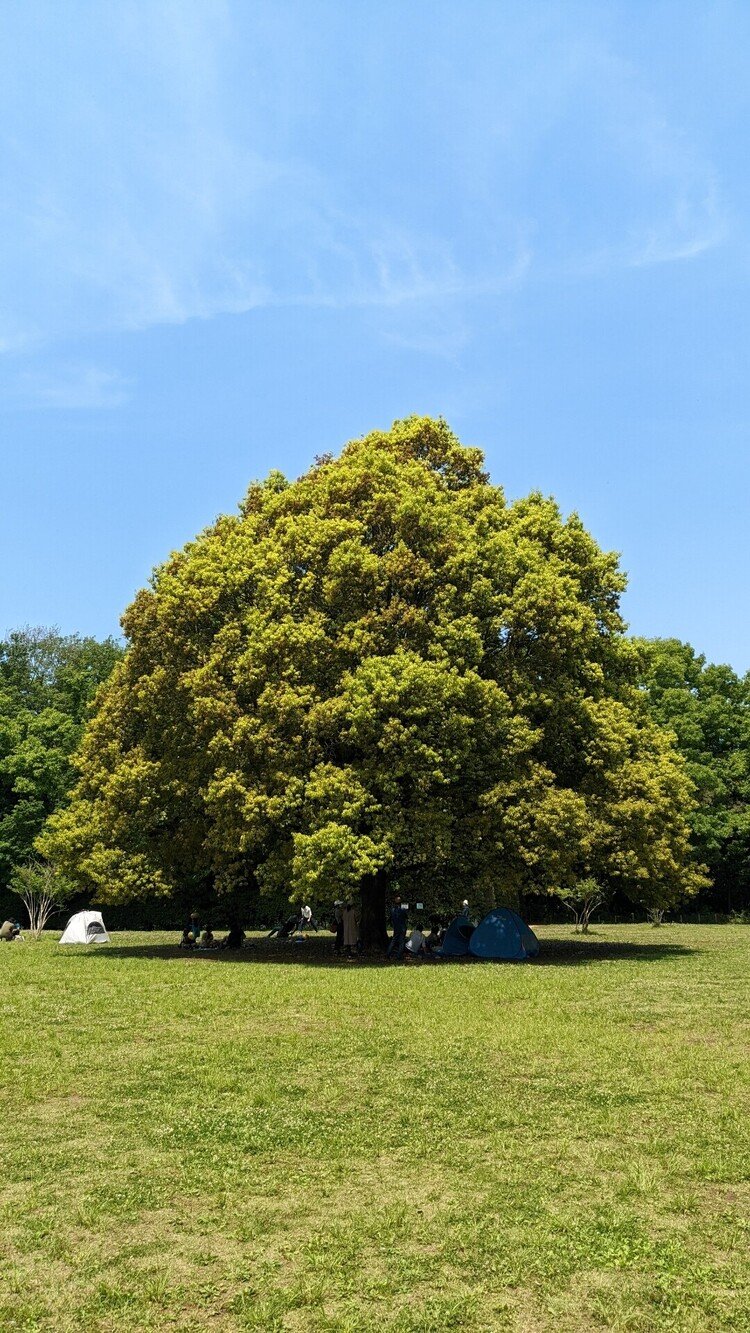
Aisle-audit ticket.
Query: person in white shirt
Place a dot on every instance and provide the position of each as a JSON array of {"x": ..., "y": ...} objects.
[
  {"x": 416, "y": 943},
  {"x": 306, "y": 920}
]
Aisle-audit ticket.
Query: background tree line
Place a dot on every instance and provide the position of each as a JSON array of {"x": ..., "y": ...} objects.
[
  {"x": 379, "y": 674},
  {"x": 47, "y": 681},
  {"x": 706, "y": 708}
]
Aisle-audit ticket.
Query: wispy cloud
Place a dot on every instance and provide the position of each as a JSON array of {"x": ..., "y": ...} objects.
[
  {"x": 696, "y": 222},
  {"x": 692, "y": 224},
  {"x": 164, "y": 210},
  {"x": 70, "y": 387},
  {"x": 666, "y": 202},
  {"x": 154, "y": 177}
]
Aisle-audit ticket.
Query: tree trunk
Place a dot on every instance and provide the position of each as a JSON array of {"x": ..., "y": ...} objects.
[{"x": 372, "y": 931}]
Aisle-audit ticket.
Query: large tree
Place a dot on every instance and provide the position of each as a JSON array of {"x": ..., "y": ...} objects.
[
  {"x": 379, "y": 673},
  {"x": 47, "y": 680},
  {"x": 707, "y": 708}
]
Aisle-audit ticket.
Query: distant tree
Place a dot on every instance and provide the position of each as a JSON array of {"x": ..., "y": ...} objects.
[
  {"x": 707, "y": 708},
  {"x": 582, "y": 899},
  {"x": 46, "y": 683},
  {"x": 42, "y": 890},
  {"x": 380, "y": 673}
]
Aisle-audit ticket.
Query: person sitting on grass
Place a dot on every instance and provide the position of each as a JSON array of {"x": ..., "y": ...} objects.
[
  {"x": 10, "y": 930},
  {"x": 435, "y": 937},
  {"x": 207, "y": 939},
  {"x": 193, "y": 928},
  {"x": 188, "y": 940},
  {"x": 416, "y": 944},
  {"x": 235, "y": 937}
]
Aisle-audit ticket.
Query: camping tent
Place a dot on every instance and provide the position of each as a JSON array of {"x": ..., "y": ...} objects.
[
  {"x": 85, "y": 928},
  {"x": 504, "y": 935},
  {"x": 457, "y": 936}
]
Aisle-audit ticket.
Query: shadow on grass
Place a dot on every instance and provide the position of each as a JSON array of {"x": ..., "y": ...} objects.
[
  {"x": 586, "y": 949},
  {"x": 318, "y": 952}
]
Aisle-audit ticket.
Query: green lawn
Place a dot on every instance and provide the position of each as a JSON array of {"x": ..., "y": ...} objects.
[{"x": 282, "y": 1143}]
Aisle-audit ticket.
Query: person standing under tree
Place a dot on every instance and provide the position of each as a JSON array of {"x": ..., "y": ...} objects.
[
  {"x": 399, "y": 917},
  {"x": 338, "y": 921},
  {"x": 350, "y": 928}
]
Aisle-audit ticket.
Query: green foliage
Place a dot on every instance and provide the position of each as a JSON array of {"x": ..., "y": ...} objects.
[
  {"x": 46, "y": 683},
  {"x": 42, "y": 890},
  {"x": 707, "y": 708},
  {"x": 583, "y": 899},
  {"x": 379, "y": 671}
]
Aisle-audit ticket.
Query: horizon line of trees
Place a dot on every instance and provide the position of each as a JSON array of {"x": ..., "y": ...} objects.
[{"x": 379, "y": 674}]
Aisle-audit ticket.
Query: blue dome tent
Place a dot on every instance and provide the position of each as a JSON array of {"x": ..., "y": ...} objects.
[
  {"x": 456, "y": 940},
  {"x": 503, "y": 935}
]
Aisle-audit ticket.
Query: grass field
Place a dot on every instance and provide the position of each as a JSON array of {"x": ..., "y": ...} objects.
[{"x": 281, "y": 1143}]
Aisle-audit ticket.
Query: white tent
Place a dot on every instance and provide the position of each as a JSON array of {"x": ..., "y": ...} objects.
[{"x": 85, "y": 928}]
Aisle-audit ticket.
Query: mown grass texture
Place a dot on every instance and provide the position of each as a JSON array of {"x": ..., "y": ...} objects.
[{"x": 284, "y": 1143}]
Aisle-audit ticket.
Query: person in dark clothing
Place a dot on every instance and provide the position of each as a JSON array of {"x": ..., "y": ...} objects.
[
  {"x": 338, "y": 921},
  {"x": 234, "y": 938},
  {"x": 284, "y": 929},
  {"x": 399, "y": 917},
  {"x": 436, "y": 935}
]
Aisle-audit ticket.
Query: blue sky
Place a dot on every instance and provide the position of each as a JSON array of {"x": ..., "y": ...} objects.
[{"x": 234, "y": 235}]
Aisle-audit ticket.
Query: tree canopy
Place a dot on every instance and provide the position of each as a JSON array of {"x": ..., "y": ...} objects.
[
  {"x": 379, "y": 672},
  {"x": 46, "y": 682},
  {"x": 707, "y": 708}
]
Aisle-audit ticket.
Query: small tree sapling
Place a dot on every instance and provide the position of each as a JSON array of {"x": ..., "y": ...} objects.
[{"x": 43, "y": 890}]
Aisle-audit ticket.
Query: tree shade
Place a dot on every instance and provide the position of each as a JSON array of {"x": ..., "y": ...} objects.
[{"x": 379, "y": 673}]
